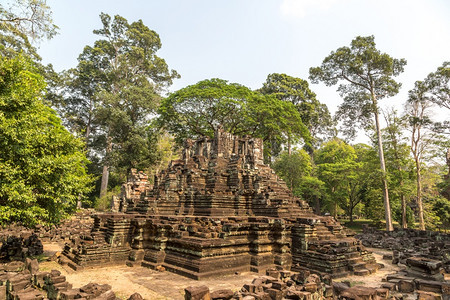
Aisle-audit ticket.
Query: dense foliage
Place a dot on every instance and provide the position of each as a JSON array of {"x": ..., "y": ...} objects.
[
  {"x": 116, "y": 102},
  {"x": 109, "y": 97},
  {"x": 366, "y": 76},
  {"x": 42, "y": 174},
  {"x": 198, "y": 110}
]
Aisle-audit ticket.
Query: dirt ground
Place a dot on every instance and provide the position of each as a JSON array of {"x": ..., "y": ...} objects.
[
  {"x": 374, "y": 280},
  {"x": 165, "y": 285}
]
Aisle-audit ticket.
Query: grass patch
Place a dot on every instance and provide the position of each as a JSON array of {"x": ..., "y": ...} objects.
[{"x": 357, "y": 224}]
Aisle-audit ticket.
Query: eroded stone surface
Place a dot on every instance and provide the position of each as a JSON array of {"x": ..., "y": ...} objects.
[{"x": 218, "y": 210}]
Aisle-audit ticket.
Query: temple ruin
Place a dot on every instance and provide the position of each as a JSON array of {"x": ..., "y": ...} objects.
[{"x": 218, "y": 210}]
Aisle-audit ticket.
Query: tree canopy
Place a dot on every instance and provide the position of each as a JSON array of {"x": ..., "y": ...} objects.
[
  {"x": 23, "y": 22},
  {"x": 198, "y": 110},
  {"x": 314, "y": 115},
  {"x": 42, "y": 166},
  {"x": 113, "y": 91},
  {"x": 367, "y": 76}
]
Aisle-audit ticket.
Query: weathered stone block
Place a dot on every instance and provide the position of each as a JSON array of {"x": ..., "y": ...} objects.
[
  {"x": 224, "y": 294},
  {"x": 406, "y": 286},
  {"x": 197, "y": 293}
]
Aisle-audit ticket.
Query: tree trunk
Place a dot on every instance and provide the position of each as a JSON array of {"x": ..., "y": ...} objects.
[
  {"x": 419, "y": 194},
  {"x": 317, "y": 209},
  {"x": 387, "y": 206},
  {"x": 351, "y": 213},
  {"x": 404, "y": 220},
  {"x": 289, "y": 145},
  {"x": 105, "y": 172}
]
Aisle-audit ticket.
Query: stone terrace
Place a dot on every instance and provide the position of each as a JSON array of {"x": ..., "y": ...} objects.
[{"x": 218, "y": 210}]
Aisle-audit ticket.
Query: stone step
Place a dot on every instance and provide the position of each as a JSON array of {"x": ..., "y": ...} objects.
[
  {"x": 358, "y": 267},
  {"x": 362, "y": 272}
]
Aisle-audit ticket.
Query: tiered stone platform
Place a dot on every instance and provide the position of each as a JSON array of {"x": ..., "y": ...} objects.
[{"x": 218, "y": 210}]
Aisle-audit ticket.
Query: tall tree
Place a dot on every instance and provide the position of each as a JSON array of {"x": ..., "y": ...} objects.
[
  {"x": 314, "y": 115},
  {"x": 418, "y": 112},
  {"x": 336, "y": 166},
  {"x": 438, "y": 84},
  {"x": 113, "y": 91},
  {"x": 199, "y": 109},
  {"x": 293, "y": 167},
  {"x": 42, "y": 166},
  {"x": 399, "y": 161},
  {"x": 24, "y": 22},
  {"x": 313, "y": 190},
  {"x": 367, "y": 77}
]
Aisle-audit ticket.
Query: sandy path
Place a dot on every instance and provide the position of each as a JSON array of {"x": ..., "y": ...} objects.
[{"x": 149, "y": 283}]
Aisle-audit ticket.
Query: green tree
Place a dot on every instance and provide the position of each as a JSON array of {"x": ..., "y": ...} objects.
[
  {"x": 438, "y": 84},
  {"x": 42, "y": 166},
  {"x": 336, "y": 165},
  {"x": 113, "y": 92},
  {"x": 418, "y": 110},
  {"x": 199, "y": 109},
  {"x": 399, "y": 163},
  {"x": 314, "y": 115},
  {"x": 23, "y": 22},
  {"x": 367, "y": 76},
  {"x": 293, "y": 167},
  {"x": 313, "y": 190}
]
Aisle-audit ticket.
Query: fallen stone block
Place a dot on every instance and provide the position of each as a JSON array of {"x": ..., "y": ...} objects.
[
  {"x": 406, "y": 286},
  {"x": 136, "y": 296},
  {"x": 224, "y": 294},
  {"x": 422, "y": 295},
  {"x": 32, "y": 265},
  {"x": 429, "y": 286},
  {"x": 197, "y": 293},
  {"x": 359, "y": 293},
  {"x": 275, "y": 294}
]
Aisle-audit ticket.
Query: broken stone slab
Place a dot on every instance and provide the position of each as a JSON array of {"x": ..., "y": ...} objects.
[
  {"x": 359, "y": 293},
  {"x": 136, "y": 296},
  {"x": 339, "y": 287},
  {"x": 31, "y": 294},
  {"x": 430, "y": 286},
  {"x": 422, "y": 295},
  {"x": 95, "y": 289},
  {"x": 427, "y": 265},
  {"x": 406, "y": 286},
  {"x": 32, "y": 265},
  {"x": 14, "y": 266},
  {"x": 224, "y": 294},
  {"x": 197, "y": 293}
]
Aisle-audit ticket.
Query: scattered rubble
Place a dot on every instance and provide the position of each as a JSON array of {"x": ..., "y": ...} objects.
[
  {"x": 21, "y": 247},
  {"x": 282, "y": 284},
  {"x": 428, "y": 246},
  {"x": 23, "y": 281}
]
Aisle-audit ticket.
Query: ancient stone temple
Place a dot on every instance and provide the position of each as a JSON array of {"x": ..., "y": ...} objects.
[{"x": 218, "y": 210}]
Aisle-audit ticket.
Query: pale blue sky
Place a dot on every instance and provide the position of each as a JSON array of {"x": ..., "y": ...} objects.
[{"x": 245, "y": 40}]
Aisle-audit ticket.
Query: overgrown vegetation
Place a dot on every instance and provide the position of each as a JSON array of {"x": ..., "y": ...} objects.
[{"x": 112, "y": 108}]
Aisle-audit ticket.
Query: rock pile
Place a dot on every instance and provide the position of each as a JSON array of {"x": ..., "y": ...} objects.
[
  {"x": 430, "y": 246},
  {"x": 282, "y": 284},
  {"x": 429, "y": 289},
  {"x": 78, "y": 225},
  {"x": 23, "y": 281},
  {"x": 20, "y": 247}
]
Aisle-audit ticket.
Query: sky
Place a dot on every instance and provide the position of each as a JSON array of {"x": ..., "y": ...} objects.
[{"x": 243, "y": 41}]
